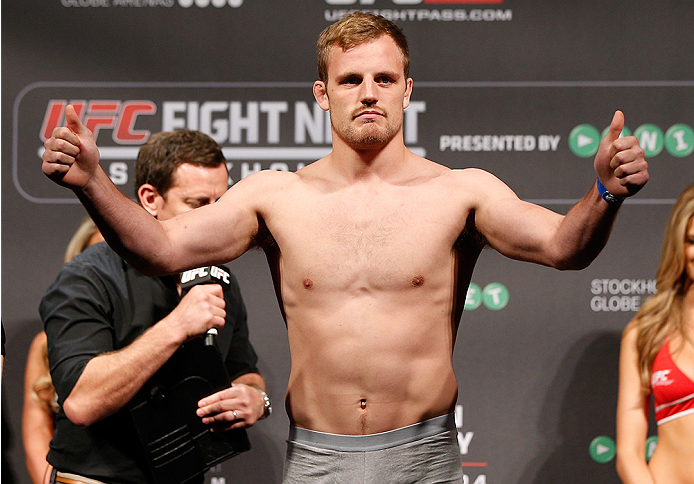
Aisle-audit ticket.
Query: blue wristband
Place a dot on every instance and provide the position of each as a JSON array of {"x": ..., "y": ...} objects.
[{"x": 607, "y": 196}]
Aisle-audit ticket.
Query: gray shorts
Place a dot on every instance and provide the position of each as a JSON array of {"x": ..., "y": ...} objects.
[{"x": 424, "y": 453}]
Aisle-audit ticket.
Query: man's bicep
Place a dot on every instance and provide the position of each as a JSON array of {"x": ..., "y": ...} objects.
[
  {"x": 517, "y": 229},
  {"x": 216, "y": 233}
]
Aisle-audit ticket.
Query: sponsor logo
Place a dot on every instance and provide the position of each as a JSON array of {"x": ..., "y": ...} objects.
[
  {"x": 202, "y": 272},
  {"x": 661, "y": 378},
  {"x": 416, "y": 11},
  {"x": 494, "y": 296},
  {"x": 651, "y": 139},
  {"x": 118, "y": 116},
  {"x": 615, "y": 295},
  {"x": 584, "y": 140},
  {"x": 219, "y": 273},
  {"x": 602, "y": 449},
  {"x": 678, "y": 140}
]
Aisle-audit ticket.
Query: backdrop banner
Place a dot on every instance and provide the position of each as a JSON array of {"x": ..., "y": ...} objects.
[{"x": 523, "y": 89}]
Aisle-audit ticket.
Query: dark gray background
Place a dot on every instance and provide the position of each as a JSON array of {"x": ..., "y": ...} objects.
[{"x": 537, "y": 378}]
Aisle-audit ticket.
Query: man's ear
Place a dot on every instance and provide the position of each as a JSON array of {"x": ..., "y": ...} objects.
[
  {"x": 408, "y": 92},
  {"x": 320, "y": 92},
  {"x": 149, "y": 196}
]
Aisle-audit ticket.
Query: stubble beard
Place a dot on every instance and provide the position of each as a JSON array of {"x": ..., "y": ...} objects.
[{"x": 368, "y": 136}]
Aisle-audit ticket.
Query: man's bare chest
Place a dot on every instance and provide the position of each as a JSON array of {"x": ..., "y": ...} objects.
[{"x": 368, "y": 237}]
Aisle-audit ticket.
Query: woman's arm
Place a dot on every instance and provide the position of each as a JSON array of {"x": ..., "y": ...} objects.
[
  {"x": 37, "y": 418},
  {"x": 632, "y": 415}
]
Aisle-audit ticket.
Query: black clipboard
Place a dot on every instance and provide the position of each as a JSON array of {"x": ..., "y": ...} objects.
[{"x": 177, "y": 445}]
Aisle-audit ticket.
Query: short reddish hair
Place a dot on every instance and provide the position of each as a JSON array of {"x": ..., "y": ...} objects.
[{"x": 357, "y": 28}]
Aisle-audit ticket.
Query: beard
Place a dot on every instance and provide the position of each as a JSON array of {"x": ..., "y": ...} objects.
[{"x": 368, "y": 135}]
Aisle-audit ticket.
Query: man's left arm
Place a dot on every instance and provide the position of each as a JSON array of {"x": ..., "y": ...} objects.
[
  {"x": 622, "y": 171},
  {"x": 525, "y": 231}
]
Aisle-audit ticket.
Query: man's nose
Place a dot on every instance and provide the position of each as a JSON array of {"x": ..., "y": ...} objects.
[{"x": 368, "y": 95}]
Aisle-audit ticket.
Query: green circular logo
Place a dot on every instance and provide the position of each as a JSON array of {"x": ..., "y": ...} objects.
[
  {"x": 651, "y": 138},
  {"x": 625, "y": 132},
  {"x": 679, "y": 140},
  {"x": 584, "y": 140},
  {"x": 651, "y": 443},
  {"x": 495, "y": 296},
  {"x": 473, "y": 298},
  {"x": 602, "y": 449}
]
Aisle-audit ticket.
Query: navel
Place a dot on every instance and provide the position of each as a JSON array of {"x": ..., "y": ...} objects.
[
  {"x": 362, "y": 403},
  {"x": 308, "y": 283},
  {"x": 417, "y": 281}
]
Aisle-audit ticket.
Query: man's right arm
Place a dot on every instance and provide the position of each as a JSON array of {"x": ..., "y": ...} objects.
[
  {"x": 71, "y": 159},
  {"x": 111, "y": 380},
  {"x": 95, "y": 377}
]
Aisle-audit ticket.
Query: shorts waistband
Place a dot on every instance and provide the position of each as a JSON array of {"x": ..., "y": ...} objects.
[
  {"x": 67, "y": 478},
  {"x": 383, "y": 440}
]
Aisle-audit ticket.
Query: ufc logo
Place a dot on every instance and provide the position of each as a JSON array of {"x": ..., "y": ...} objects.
[
  {"x": 119, "y": 116},
  {"x": 659, "y": 378}
]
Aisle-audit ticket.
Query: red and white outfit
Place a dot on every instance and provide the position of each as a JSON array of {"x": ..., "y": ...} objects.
[{"x": 673, "y": 391}]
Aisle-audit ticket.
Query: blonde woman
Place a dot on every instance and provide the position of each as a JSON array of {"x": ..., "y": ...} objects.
[
  {"x": 86, "y": 234},
  {"x": 40, "y": 405},
  {"x": 657, "y": 363}
]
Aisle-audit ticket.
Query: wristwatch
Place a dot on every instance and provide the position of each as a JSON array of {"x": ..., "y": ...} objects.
[{"x": 268, "y": 405}]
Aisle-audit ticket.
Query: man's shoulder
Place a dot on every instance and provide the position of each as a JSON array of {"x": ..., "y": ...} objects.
[
  {"x": 472, "y": 175},
  {"x": 96, "y": 271},
  {"x": 270, "y": 177},
  {"x": 97, "y": 254},
  {"x": 98, "y": 261},
  {"x": 477, "y": 182},
  {"x": 101, "y": 271},
  {"x": 467, "y": 180},
  {"x": 259, "y": 185}
]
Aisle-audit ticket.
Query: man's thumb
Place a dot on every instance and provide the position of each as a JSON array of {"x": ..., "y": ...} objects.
[
  {"x": 616, "y": 126},
  {"x": 73, "y": 120}
]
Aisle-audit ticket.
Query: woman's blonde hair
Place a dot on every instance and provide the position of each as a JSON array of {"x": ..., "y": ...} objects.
[
  {"x": 662, "y": 314},
  {"x": 81, "y": 239},
  {"x": 43, "y": 391}
]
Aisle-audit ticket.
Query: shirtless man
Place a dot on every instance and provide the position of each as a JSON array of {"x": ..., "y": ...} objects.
[{"x": 371, "y": 249}]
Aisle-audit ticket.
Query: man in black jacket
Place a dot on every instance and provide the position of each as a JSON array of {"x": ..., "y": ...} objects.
[{"x": 110, "y": 328}]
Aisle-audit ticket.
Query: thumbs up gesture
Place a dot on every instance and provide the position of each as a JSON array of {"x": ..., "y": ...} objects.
[
  {"x": 620, "y": 162},
  {"x": 71, "y": 157}
]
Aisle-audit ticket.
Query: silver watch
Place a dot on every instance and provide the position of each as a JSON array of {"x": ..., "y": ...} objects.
[{"x": 268, "y": 405}]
